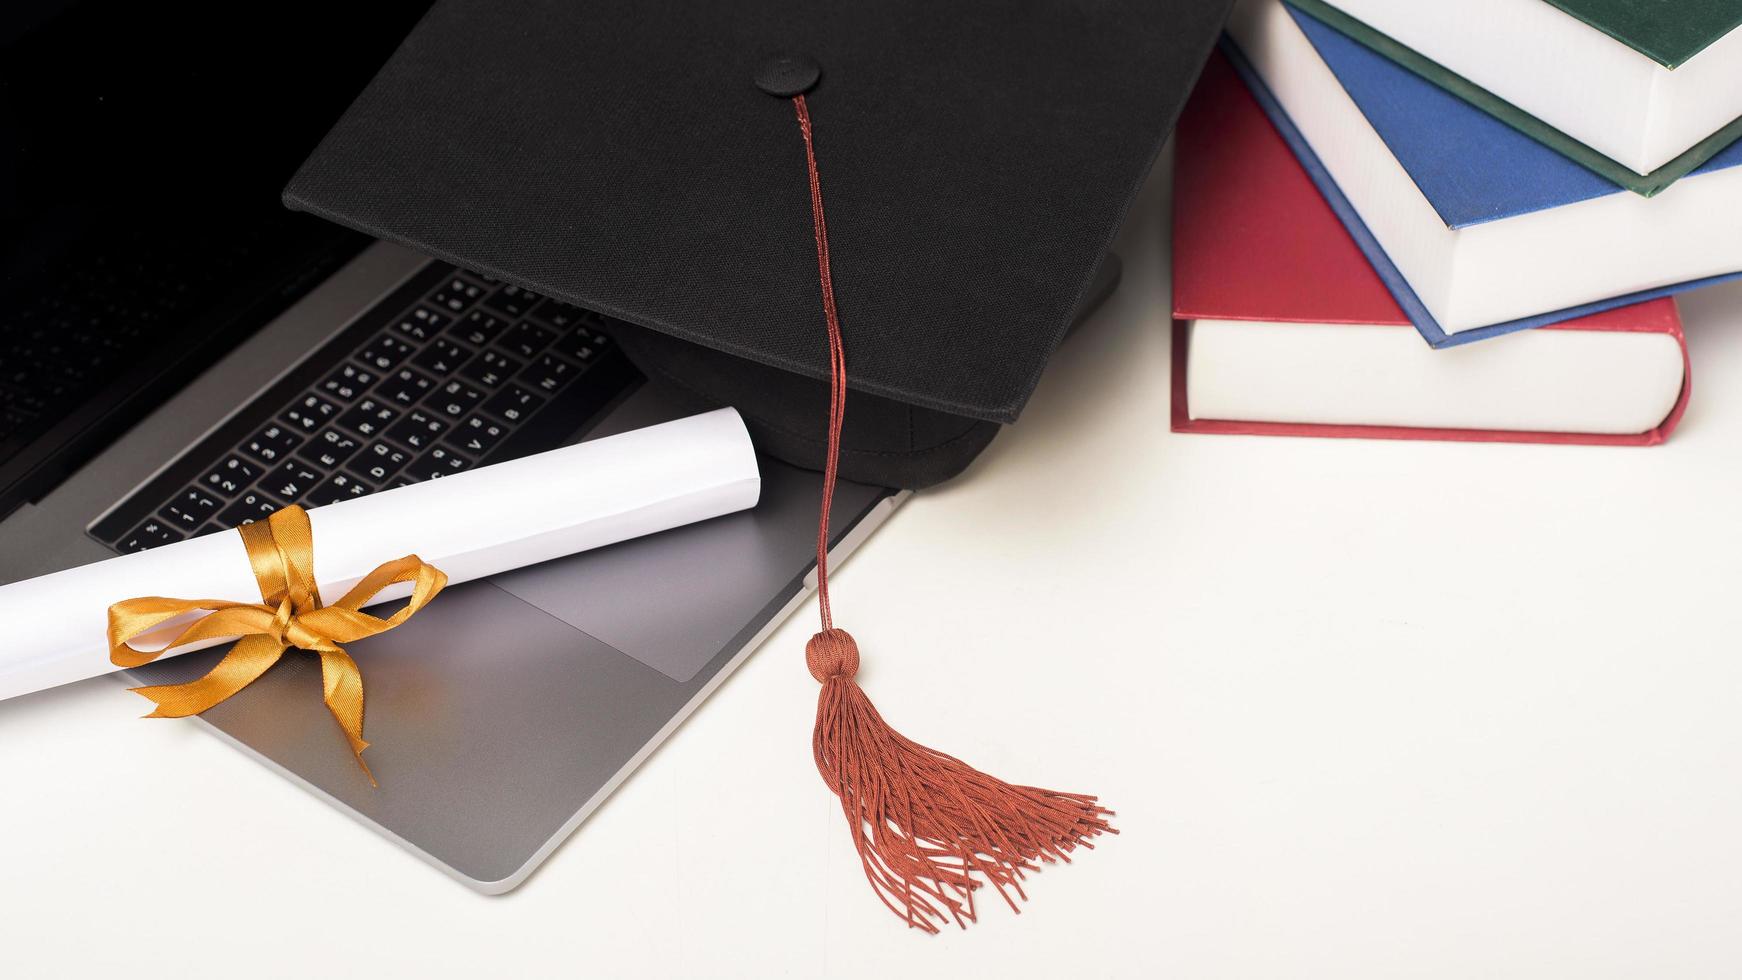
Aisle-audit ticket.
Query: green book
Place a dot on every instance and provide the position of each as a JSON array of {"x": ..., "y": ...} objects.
[
  {"x": 1623, "y": 176},
  {"x": 1668, "y": 34}
]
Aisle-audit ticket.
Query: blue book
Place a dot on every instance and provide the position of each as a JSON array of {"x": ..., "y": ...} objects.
[{"x": 1473, "y": 170}]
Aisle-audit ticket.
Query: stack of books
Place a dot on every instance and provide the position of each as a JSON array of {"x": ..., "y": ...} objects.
[{"x": 1527, "y": 196}]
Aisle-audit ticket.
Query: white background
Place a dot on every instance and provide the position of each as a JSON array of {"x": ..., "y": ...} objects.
[{"x": 1366, "y": 709}]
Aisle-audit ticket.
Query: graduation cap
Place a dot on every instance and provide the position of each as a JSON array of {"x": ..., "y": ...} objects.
[{"x": 867, "y": 225}]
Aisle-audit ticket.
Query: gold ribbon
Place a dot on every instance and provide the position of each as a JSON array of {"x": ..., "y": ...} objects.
[{"x": 290, "y": 614}]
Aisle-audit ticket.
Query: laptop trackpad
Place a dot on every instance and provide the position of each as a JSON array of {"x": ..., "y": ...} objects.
[{"x": 674, "y": 600}]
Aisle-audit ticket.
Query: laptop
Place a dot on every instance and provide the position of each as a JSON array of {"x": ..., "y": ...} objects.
[
  {"x": 170, "y": 375},
  {"x": 168, "y": 372}
]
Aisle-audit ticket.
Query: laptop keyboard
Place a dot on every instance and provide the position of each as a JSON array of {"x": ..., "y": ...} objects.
[{"x": 450, "y": 372}]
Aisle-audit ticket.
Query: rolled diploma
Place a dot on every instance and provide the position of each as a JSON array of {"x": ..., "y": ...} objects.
[{"x": 469, "y": 525}]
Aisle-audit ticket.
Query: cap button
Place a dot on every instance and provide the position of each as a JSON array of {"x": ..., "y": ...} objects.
[{"x": 787, "y": 75}]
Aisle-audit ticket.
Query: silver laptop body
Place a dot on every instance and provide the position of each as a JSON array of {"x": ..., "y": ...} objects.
[{"x": 502, "y": 715}]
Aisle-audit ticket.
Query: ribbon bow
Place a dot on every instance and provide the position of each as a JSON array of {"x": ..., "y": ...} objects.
[{"x": 290, "y": 614}]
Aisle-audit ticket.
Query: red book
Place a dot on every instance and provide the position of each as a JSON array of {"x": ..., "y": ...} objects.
[{"x": 1281, "y": 327}]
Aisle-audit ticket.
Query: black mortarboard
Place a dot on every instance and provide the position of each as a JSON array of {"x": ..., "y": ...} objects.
[
  {"x": 978, "y": 157},
  {"x": 667, "y": 163}
]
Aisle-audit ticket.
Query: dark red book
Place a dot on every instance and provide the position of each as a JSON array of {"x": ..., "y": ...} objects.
[{"x": 1281, "y": 327}]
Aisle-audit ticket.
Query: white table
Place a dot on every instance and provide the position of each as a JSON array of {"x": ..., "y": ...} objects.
[{"x": 1366, "y": 709}]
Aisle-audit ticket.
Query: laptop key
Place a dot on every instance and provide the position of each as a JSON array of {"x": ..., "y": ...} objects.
[
  {"x": 476, "y": 436},
  {"x": 191, "y": 509},
  {"x": 348, "y": 382},
  {"x": 179, "y": 519},
  {"x": 308, "y": 414},
  {"x": 554, "y": 314},
  {"x": 255, "y": 505},
  {"x": 380, "y": 462},
  {"x": 231, "y": 477},
  {"x": 455, "y": 399},
  {"x": 385, "y": 353},
  {"x": 149, "y": 535},
  {"x": 511, "y": 301},
  {"x": 478, "y": 328},
  {"x": 513, "y": 404},
  {"x": 581, "y": 346},
  {"x": 290, "y": 481},
  {"x": 368, "y": 418},
  {"x": 272, "y": 443},
  {"x": 329, "y": 449},
  {"x": 442, "y": 357},
  {"x": 405, "y": 386},
  {"x": 418, "y": 429},
  {"x": 490, "y": 368},
  {"x": 548, "y": 374},
  {"x": 526, "y": 339},
  {"x": 421, "y": 324},
  {"x": 457, "y": 294}
]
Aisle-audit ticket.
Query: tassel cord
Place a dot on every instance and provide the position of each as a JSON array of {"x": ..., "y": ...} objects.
[
  {"x": 837, "y": 360},
  {"x": 929, "y": 829}
]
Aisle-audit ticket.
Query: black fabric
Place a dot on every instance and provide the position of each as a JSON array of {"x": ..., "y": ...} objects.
[
  {"x": 977, "y": 158},
  {"x": 883, "y": 442}
]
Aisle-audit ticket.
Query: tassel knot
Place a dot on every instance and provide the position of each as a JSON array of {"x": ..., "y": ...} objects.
[{"x": 830, "y": 654}]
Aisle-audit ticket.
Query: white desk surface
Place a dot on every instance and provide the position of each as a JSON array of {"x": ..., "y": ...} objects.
[{"x": 1366, "y": 709}]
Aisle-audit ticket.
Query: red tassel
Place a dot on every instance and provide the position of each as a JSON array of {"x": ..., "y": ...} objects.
[{"x": 929, "y": 828}]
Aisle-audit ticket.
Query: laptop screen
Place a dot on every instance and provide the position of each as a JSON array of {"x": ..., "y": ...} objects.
[
  {"x": 127, "y": 122},
  {"x": 143, "y": 147}
]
